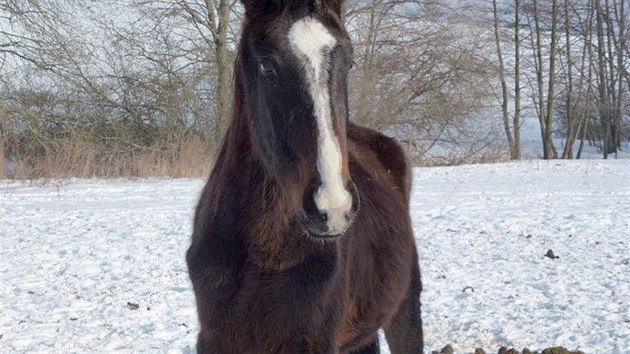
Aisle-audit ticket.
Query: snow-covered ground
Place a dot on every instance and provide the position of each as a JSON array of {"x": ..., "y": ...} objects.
[{"x": 76, "y": 257}]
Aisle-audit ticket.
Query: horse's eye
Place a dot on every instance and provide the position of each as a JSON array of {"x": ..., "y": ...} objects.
[
  {"x": 352, "y": 65},
  {"x": 267, "y": 70}
]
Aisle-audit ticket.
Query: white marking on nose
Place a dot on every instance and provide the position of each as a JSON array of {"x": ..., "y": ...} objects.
[{"x": 312, "y": 43}]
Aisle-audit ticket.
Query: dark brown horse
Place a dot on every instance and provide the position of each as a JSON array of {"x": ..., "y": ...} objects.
[{"x": 302, "y": 239}]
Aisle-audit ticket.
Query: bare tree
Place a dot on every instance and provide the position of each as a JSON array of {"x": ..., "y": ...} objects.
[
  {"x": 516, "y": 120},
  {"x": 604, "y": 104},
  {"x": 138, "y": 87},
  {"x": 418, "y": 77},
  {"x": 570, "y": 114},
  {"x": 504, "y": 89},
  {"x": 212, "y": 19},
  {"x": 577, "y": 103},
  {"x": 544, "y": 108},
  {"x": 550, "y": 151}
]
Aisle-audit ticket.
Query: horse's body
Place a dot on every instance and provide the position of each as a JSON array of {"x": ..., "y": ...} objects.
[{"x": 269, "y": 279}]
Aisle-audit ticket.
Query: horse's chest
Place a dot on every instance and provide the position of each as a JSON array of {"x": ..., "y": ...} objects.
[{"x": 278, "y": 306}]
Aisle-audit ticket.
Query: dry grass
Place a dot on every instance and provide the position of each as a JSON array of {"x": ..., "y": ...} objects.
[
  {"x": 83, "y": 157},
  {"x": 489, "y": 154},
  {"x": 175, "y": 156},
  {"x": 457, "y": 159},
  {"x": 191, "y": 159}
]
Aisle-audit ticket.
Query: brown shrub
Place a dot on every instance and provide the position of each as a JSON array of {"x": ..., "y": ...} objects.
[{"x": 86, "y": 157}]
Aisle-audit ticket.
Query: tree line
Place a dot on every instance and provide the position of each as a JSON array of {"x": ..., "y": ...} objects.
[
  {"x": 143, "y": 87},
  {"x": 576, "y": 54}
]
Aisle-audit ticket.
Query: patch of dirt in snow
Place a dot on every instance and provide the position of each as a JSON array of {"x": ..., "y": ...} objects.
[{"x": 503, "y": 350}]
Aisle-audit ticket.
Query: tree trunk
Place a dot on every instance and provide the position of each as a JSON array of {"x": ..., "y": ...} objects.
[
  {"x": 545, "y": 109},
  {"x": 604, "y": 108},
  {"x": 620, "y": 45},
  {"x": 224, "y": 71},
  {"x": 504, "y": 91},
  {"x": 583, "y": 99},
  {"x": 516, "y": 123},
  {"x": 550, "y": 150},
  {"x": 571, "y": 121},
  {"x": 364, "y": 110},
  {"x": 612, "y": 78},
  {"x": 584, "y": 134},
  {"x": 539, "y": 78}
]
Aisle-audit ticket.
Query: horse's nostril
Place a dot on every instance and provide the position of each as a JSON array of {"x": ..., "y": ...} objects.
[{"x": 348, "y": 216}]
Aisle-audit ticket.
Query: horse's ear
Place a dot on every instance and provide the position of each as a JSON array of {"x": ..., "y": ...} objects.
[{"x": 253, "y": 6}]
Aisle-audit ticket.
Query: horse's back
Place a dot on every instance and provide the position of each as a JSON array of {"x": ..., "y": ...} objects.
[{"x": 387, "y": 151}]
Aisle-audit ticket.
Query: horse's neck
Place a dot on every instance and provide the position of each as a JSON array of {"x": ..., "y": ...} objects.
[{"x": 268, "y": 220}]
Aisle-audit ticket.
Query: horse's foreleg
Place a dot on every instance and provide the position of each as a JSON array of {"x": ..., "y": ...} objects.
[{"x": 404, "y": 333}]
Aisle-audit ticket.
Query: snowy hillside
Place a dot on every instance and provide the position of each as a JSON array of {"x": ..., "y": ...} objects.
[{"x": 98, "y": 266}]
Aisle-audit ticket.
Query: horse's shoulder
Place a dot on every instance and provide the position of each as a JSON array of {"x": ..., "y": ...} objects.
[{"x": 389, "y": 153}]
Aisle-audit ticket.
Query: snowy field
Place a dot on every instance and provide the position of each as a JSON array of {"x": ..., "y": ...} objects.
[{"x": 98, "y": 266}]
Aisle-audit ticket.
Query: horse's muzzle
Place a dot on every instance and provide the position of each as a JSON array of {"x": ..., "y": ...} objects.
[{"x": 331, "y": 220}]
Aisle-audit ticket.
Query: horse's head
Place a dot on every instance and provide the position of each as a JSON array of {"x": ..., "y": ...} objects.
[{"x": 293, "y": 64}]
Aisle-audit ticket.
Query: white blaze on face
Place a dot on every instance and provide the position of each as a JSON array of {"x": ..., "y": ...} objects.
[{"x": 312, "y": 43}]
